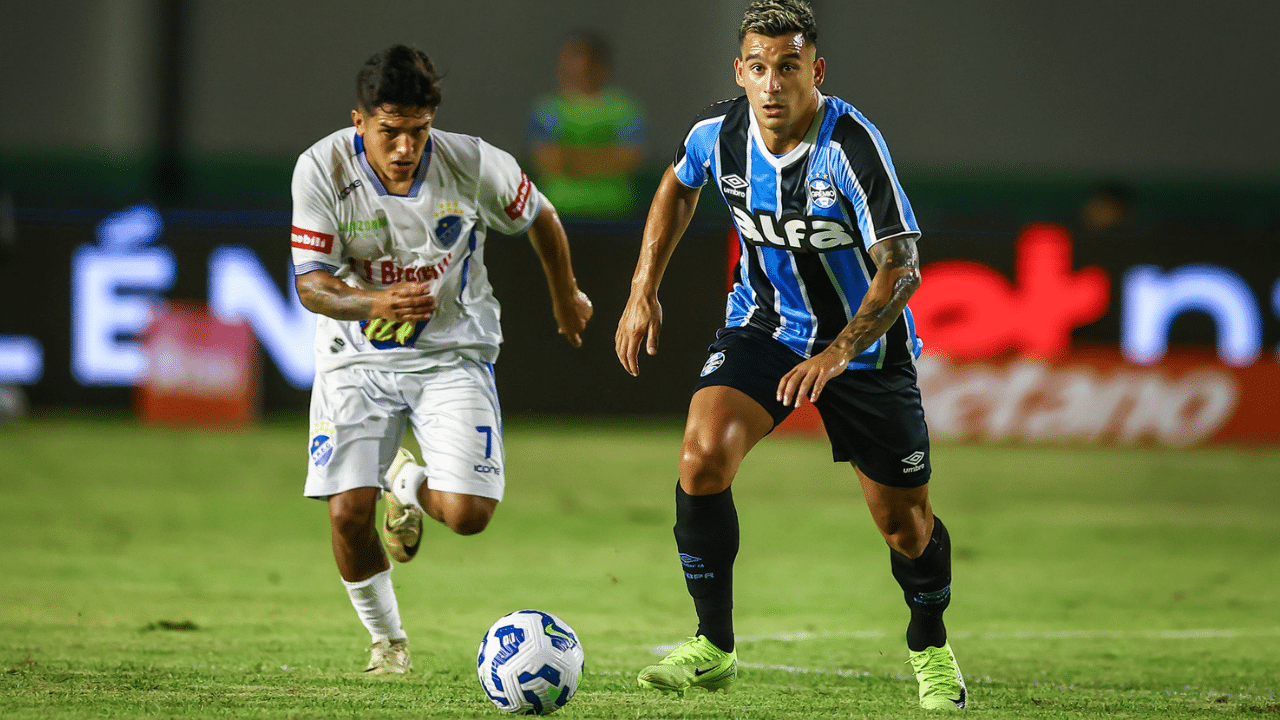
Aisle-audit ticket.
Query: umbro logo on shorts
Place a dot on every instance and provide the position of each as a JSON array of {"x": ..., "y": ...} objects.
[{"x": 914, "y": 462}]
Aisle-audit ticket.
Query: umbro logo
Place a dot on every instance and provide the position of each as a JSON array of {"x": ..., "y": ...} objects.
[
  {"x": 914, "y": 462},
  {"x": 733, "y": 185},
  {"x": 690, "y": 560}
]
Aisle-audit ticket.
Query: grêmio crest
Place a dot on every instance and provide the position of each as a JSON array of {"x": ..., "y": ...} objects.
[{"x": 797, "y": 233}]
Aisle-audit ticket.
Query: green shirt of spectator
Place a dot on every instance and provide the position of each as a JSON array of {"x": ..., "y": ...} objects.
[{"x": 587, "y": 138}]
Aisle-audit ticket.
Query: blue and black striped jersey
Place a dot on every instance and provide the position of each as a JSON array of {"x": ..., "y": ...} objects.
[{"x": 805, "y": 220}]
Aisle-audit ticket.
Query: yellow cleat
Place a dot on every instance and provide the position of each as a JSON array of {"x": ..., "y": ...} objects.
[
  {"x": 696, "y": 663},
  {"x": 941, "y": 685}
]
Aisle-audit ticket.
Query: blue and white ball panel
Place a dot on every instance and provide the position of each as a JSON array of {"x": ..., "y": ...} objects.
[{"x": 358, "y": 419}]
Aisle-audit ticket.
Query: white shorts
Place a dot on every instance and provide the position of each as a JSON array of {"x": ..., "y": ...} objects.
[{"x": 358, "y": 419}]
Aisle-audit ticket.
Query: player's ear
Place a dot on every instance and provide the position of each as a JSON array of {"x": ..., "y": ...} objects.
[
  {"x": 819, "y": 71},
  {"x": 737, "y": 72},
  {"x": 357, "y": 119}
]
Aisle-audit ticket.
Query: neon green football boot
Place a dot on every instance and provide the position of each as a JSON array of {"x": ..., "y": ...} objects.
[
  {"x": 696, "y": 663},
  {"x": 941, "y": 685}
]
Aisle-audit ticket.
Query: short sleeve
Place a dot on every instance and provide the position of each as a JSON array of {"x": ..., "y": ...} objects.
[
  {"x": 507, "y": 199},
  {"x": 693, "y": 156},
  {"x": 865, "y": 174},
  {"x": 314, "y": 241}
]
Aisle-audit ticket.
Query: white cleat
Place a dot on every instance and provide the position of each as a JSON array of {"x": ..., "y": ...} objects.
[
  {"x": 402, "y": 524},
  {"x": 389, "y": 657}
]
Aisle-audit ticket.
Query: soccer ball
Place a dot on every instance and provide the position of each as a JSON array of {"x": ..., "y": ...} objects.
[{"x": 530, "y": 663}]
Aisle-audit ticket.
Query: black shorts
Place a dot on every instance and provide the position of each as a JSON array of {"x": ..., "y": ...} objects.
[{"x": 873, "y": 417}]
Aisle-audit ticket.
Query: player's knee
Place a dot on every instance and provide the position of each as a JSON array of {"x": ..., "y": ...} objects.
[
  {"x": 705, "y": 468},
  {"x": 351, "y": 513},
  {"x": 470, "y": 516},
  {"x": 905, "y": 535}
]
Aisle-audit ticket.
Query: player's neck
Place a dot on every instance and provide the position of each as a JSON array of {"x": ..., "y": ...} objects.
[
  {"x": 785, "y": 140},
  {"x": 397, "y": 187}
]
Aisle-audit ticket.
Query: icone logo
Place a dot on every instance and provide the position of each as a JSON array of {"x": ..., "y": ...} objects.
[{"x": 801, "y": 233}]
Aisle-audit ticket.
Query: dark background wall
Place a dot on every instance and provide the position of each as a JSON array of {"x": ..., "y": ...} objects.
[{"x": 1147, "y": 90}]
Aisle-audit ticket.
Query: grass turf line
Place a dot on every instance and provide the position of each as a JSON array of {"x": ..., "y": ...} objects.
[{"x": 1081, "y": 579}]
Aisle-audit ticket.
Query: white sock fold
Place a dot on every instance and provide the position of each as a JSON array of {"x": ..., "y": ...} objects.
[
  {"x": 406, "y": 483},
  {"x": 375, "y": 602}
]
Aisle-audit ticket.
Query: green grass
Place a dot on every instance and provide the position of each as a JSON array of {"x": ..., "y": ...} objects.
[{"x": 1088, "y": 583}]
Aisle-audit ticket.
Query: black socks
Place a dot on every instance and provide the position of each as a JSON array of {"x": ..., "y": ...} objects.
[
  {"x": 706, "y": 533},
  {"x": 926, "y": 584},
  {"x": 707, "y": 538}
]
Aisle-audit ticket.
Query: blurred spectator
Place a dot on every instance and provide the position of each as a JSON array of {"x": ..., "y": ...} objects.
[
  {"x": 1108, "y": 209},
  {"x": 587, "y": 137}
]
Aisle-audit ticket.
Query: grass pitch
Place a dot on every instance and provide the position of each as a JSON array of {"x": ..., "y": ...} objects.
[{"x": 160, "y": 573}]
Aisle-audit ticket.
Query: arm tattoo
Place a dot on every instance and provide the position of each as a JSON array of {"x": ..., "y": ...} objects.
[
  {"x": 896, "y": 279},
  {"x": 327, "y": 295}
]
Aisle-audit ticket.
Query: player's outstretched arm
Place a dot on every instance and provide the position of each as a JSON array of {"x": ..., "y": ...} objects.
[
  {"x": 896, "y": 280},
  {"x": 571, "y": 306},
  {"x": 641, "y": 321},
  {"x": 321, "y": 292}
]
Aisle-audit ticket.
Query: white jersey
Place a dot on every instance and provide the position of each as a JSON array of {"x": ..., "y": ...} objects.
[{"x": 346, "y": 223}]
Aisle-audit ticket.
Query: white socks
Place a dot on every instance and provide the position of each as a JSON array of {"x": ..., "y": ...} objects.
[
  {"x": 406, "y": 483},
  {"x": 375, "y": 603}
]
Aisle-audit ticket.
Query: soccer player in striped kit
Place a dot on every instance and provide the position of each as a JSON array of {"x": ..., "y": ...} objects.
[
  {"x": 390, "y": 218},
  {"x": 818, "y": 312}
]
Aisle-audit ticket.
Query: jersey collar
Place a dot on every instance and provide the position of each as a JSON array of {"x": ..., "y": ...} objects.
[
  {"x": 377, "y": 182},
  {"x": 781, "y": 161}
]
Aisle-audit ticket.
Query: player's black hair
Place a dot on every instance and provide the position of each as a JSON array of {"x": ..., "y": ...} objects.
[
  {"x": 400, "y": 76},
  {"x": 772, "y": 18}
]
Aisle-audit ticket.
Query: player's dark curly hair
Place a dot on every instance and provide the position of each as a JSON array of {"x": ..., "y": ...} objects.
[
  {"x": 772, "y": 18},
  {"x": 400, "y": 76}
]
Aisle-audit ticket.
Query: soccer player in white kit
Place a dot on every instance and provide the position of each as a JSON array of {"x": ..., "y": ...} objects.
[{"x": 388, "y": 240}]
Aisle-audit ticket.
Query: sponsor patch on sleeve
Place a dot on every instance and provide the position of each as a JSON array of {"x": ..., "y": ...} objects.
[
  {"x": 516, "y": 208},
  {"x": 311, "y": 240}
]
